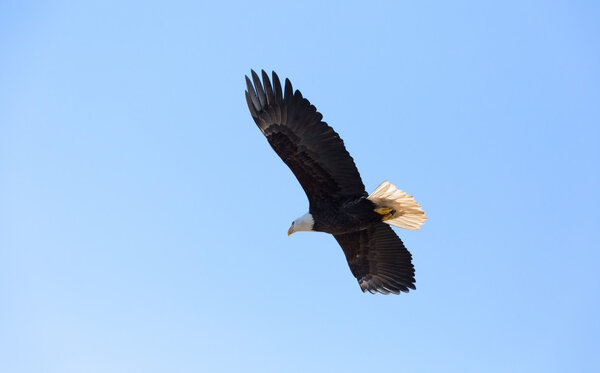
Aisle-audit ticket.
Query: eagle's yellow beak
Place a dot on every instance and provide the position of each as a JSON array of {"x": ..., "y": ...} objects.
[{"x": 291, "y": 230}]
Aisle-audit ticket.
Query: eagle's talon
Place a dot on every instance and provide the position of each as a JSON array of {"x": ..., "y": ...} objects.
[{"x": 384, "y": 210}]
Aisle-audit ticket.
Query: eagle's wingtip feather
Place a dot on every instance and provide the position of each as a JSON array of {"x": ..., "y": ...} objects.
[{"x": 259, "y": 89}]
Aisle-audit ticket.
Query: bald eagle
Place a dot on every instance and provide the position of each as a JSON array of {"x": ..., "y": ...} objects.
[{"x": 338, "y": 202}]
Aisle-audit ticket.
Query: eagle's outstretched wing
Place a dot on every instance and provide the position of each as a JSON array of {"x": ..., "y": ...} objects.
[
  {"x": 312, "y": 150},
  {"x": 378, "y": 259}
]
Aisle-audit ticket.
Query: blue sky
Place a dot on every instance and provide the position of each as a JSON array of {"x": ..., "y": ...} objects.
[{"x": 143, "y": 216}]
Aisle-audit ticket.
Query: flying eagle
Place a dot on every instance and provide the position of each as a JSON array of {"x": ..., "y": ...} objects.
[{"x": 338, "y": 201}]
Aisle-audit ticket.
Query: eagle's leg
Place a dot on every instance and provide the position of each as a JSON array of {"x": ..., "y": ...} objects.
[{"x": 386, "y": 212}]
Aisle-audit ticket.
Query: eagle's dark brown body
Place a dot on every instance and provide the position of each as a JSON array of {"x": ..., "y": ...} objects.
[{"x": 351, "y": 216}]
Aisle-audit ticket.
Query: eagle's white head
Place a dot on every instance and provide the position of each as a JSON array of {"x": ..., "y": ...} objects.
[{"x": 303, "y": 223}]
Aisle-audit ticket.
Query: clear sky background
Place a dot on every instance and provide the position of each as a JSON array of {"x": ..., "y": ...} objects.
[{"x": 143, "y": 216}]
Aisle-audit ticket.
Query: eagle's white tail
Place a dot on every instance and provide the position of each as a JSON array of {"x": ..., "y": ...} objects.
[{"x": 406, "y": 212}]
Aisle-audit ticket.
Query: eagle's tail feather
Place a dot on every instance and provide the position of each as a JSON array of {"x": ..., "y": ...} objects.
[{"x": 398, "y": 207}]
